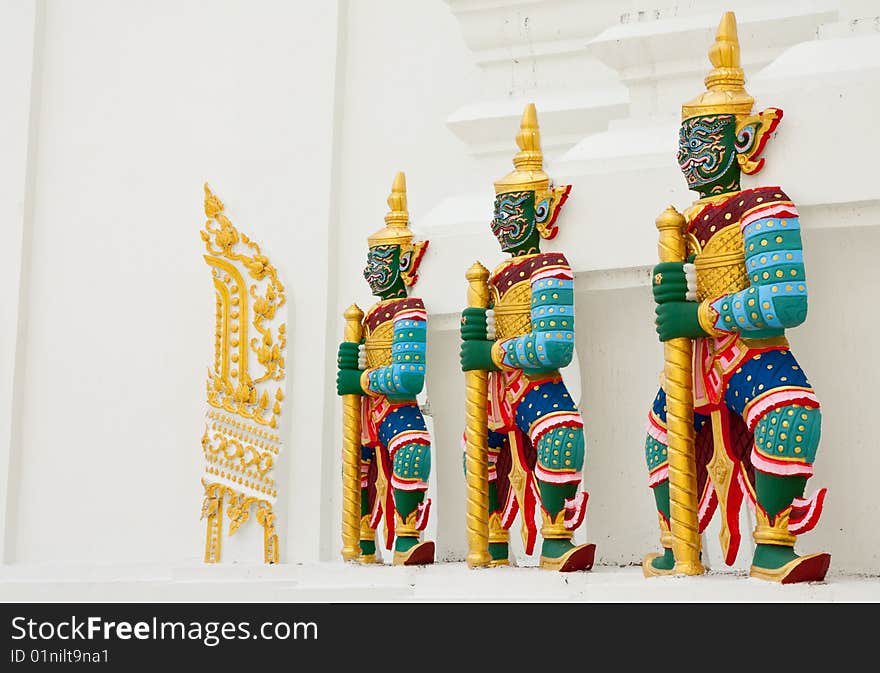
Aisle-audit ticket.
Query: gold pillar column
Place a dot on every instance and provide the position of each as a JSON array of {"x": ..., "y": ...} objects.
[
  {"x": 351, "y": 449},
  {"x": 678, "y": 376},
  {"x": 476, "y": 439}
]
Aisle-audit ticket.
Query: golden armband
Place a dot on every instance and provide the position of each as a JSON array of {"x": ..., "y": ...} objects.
[
  {"x": 497, "y": 354},
  {"x": 708, "y": 316},
  {"x": 365, "y": 383}
]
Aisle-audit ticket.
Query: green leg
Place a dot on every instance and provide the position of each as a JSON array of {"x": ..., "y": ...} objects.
[
  {"x": 774, "y": 495},
  {"x": 497, "y": 550},
  {"x": 406, "y": 503},
  {"x": 368, "y": 547},
  {"x": 553, "y": 497},
  {"x": 411, "y": 461},
  {"x": 794, "y": 433},
  {"x": 559, "y": 448},
  {"x": 666, "y": 561}
]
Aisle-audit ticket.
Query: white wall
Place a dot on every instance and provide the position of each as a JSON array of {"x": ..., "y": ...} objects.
[
  {"x": 298, "y": 114},
  {"x": 141, "y": 103},
  {"x": 17, "y": 124}
]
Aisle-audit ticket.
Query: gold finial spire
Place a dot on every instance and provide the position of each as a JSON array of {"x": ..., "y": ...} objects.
[
  {"x": 724, "y": 55},
  {"x": 397, "y": 202},
  {"x": 725, "y": 91},
  {"x": 529, "y": 161},
  {"x": 396, "y": 230},
  {"x": 528, "y": 140}
]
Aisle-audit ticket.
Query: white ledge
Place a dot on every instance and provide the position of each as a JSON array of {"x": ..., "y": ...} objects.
[
  {"x": 858, "y": 53},
  {"x": 497, "y": 30},
  {"x": 490, "y": 126},
  {"x": 335, "y": 581},
  {"x": 648, "y": 48}
]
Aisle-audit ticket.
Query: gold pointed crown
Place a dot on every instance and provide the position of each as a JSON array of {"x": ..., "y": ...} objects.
[
  {"x": 528, "y": 173},
  {"x": 725, "y": 91},
  {"x": 396, "y": 230}
]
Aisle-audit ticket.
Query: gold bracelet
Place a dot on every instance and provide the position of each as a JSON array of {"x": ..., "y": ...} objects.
[
  {"x": 498, "y": 354},
  {"x": 708, "y": 317},
  {"x": 365, "y": 383}
]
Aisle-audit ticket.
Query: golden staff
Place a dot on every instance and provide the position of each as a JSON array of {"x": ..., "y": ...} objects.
[
  {"x": 678, "y": 385},
  {"x": 351, "y": 449},
  {"x": 476, "y": 436}
]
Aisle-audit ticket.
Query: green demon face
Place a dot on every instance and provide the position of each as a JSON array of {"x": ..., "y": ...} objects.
[
  {"x": 382, "y": 271},
  {"x": 707, "y": 148},
  {"x": 513, "y": 222}
]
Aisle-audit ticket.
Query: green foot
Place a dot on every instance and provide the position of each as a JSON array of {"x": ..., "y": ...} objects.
[
  {"x": 773, "y": 556},
  {"x": 367, "y": 548},
  {"x": 405, "y": 543},
  {"x": 777, "y": 563},
  {"x": 556, "y": 548},
  {"x": 666, "y": 561},
  {"x": 563, "y": 556}
]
